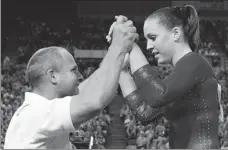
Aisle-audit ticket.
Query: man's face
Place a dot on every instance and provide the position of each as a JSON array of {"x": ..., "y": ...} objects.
[{"x": 68, "y": 76}]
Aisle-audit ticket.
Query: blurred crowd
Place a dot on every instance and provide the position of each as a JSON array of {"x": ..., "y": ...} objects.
[
  {"x": 96, "y": 127},
  {"x": 89, "y": 33},
  {"x": 151, "y": 136}
]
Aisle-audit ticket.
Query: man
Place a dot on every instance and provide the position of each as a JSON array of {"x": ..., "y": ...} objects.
[{"x": 56, "y": 106}]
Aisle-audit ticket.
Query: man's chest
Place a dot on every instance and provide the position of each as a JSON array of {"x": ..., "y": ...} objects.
[
  {"x": 60, "y": 142},
  {"x": 54, "y": 142}
]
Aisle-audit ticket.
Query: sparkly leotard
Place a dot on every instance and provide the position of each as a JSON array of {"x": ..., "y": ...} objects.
[{"x": 187, "y": 98}]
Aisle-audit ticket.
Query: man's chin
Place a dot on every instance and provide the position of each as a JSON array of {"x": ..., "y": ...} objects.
[
  {"x": 73, "y": 93},
  {"x": 76, "y": 91}
]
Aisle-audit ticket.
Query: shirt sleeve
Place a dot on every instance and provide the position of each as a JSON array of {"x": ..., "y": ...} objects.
[
  {"x": 188, "y": 72},
  {"x": 61, "y": 109}
]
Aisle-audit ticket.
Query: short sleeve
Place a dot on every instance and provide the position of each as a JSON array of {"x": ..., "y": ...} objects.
[{"x": 61, "y": 113}]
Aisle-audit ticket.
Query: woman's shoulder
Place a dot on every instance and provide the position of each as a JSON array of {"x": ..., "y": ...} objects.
[
  {"x": 193, "y": 58},
  {"x": 200, "y": 62},
  {"x": 194, "y": 62}
]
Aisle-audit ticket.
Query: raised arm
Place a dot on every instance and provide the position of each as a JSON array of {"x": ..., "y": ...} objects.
[
  {"x": 188, "y": 72},
  {"x": 101, "y": 86},
  {"x": 135, "y": 100},
  {"x": 83, "y": 84}
]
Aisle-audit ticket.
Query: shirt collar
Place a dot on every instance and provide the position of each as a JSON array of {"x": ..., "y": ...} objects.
[{"x": 33, "y": 97}]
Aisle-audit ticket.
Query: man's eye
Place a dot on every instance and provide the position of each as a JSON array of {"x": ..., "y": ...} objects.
[{"x": 74, "y": 70}]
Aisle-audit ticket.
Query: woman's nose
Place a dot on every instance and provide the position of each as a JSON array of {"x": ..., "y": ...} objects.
[{"x": 149, "y": 45}]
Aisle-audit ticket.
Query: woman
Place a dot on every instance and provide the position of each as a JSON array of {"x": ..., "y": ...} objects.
[{"x": 188, "y": 97}]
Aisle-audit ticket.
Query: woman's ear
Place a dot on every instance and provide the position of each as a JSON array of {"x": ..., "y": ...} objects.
[{"x": 176, "y": 33}]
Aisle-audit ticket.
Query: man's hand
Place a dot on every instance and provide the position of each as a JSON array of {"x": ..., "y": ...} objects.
[{"x": 124, "y": 34}]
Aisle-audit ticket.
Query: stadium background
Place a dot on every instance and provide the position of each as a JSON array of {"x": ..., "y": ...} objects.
[{"x": 81, "y": 27}]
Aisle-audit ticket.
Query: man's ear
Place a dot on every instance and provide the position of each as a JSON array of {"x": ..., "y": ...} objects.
[
  {"x": 52, "y": 76},
  {"x": 176, "y": 33}
]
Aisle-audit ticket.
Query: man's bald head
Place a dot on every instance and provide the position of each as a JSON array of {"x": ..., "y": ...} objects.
[{"x": 43, "y": 60}]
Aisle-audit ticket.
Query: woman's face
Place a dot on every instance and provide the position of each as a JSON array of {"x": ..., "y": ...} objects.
[{"x": 159, "y": 40}]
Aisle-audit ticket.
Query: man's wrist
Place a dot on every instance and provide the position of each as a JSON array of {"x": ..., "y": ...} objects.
[
  {"x": 116, "y": 51},
  {"x": 114, "y": 47},
  {"x": 114, "y": 56}
]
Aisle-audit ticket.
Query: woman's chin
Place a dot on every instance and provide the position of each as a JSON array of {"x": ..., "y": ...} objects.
[{"x": 162, "y": 62}]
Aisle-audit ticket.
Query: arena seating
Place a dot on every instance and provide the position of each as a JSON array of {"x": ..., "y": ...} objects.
[{"x": 92, "y": 36}]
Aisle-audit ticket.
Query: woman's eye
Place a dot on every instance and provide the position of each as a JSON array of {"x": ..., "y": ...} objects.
[{"x": 153, "y": 38}]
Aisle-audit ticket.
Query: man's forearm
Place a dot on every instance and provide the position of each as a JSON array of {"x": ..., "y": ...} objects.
[{"x": 102, "y": 84}]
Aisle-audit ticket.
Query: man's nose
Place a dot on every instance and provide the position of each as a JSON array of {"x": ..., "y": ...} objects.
[{"x": 80, "y": 76}]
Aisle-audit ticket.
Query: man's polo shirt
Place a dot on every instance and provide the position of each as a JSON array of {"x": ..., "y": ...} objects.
[{"x": 40, "y": 123}]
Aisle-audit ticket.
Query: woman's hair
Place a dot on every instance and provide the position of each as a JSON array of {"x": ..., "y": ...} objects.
[{"x": 185, "y": 16}]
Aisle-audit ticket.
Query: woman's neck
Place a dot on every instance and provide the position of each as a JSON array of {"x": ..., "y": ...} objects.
[{"x": 180, "y": 52}]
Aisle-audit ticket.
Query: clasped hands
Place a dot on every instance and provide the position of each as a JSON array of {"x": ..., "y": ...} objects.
[{"x": 123, "y": 32}]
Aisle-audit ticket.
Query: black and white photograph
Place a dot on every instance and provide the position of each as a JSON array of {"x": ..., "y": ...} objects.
[{"x": 105, "y": 74}]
